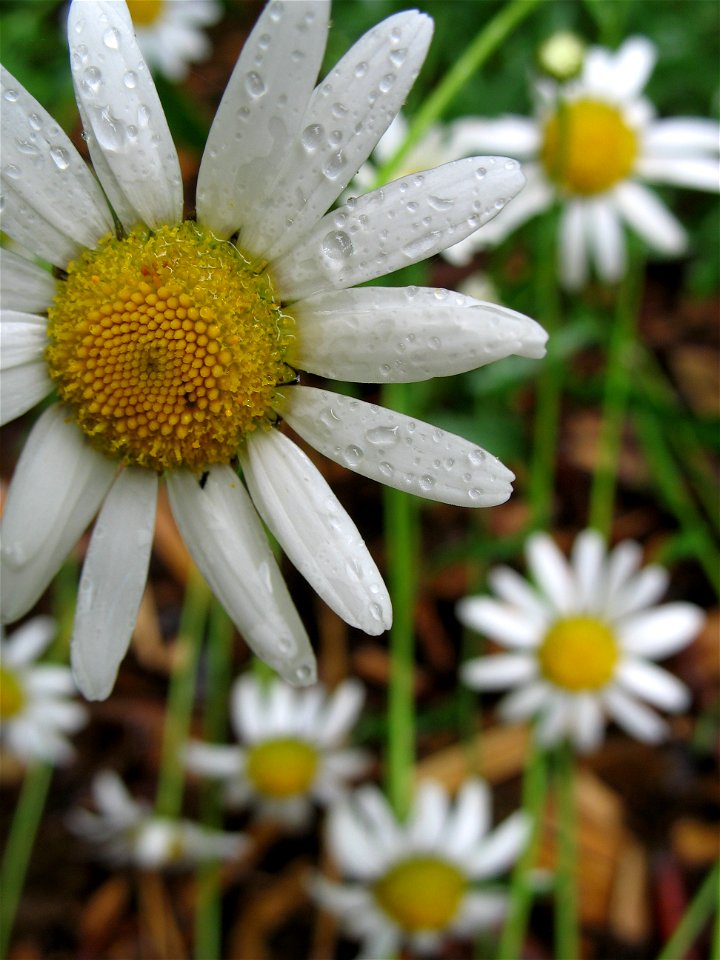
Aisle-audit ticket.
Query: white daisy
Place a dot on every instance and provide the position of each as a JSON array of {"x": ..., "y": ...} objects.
[
  {"x": 582, "y": 641},
  {"x": 173, "y": 345},
  {"x": 417, "y": 882},
  {"x": 36, "y": 713},
  {"x": 170, "y": 32},
  {"x": 594, "y": 143},
  {"x": 126, "y": 831},
  {"x": 291, "y": 755}
]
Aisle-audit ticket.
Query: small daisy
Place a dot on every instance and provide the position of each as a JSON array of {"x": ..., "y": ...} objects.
[
  {"x": 170, "y": 32},
  {"x": 36, "y": 713},
  {"x": 416, "y": 883},
  {"x": 291, "y": 756},
  {"x": 126, "y": 831},
  {"x": 593, "y": 145},
  {"x": 173, "y": 346},
  {"x": 582, "y": 641}
]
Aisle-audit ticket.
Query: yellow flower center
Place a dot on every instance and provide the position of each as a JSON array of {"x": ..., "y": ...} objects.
[
  {"x": 588, "y": 147},
  {"x": 167, "y": 346},
  {"x": 282, "y": 767},
  {"x": 579, "y": 653},
  {"x": 145, "y": 12},
  {"x": 422, "y": 893},
  {"x": 12, "y": 695}
]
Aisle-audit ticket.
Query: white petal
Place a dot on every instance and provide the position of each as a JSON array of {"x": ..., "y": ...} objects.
[
  {"x": 112, "y": 582},
  {"x": 406, "y": 334},
  {"x": 21, "y": 388},
  {"x": 375, "y": 77},
  {"x": 213, "y": 760},
  {"x": 588, "y": 723},
  {"x": 642, "y": 590},
  {"x": 632, "y": 66},
  {"x": 129, "y": 137},
  {"x": 50, "y": 680},
  {"x": 381, "y": 822},
  {"x": 229, "y": 546},
  {"x": 315, "y": 531},
  {"x": 653, "y": 684},
  {"x": 353, "y": 846},
  {"x": 395, "y": 450},
  {"x": 513, "y": 136},
  {"x": 524, "y": 702},
  {"x": 516, "y": 591},
  {"x": 606, "y": 240},
  {"x": 510, "y": 627},
  {"x": 633, "y": 717},
  {"x": 501, "y": 848},
  {"x": 25, "y": 285},
  {"x": 498, "y": 671},
  {"x": 573, "y": 249},
  {"x": 426, "y": 825},
  {"x": 650, "y": 218},
  {"x": 406, "y": 221},
  {"x": 47, "y": 181},
  {"x": 260, "y": 114},
  {"x": 555, "y": 722},
  {"x": 588, "y": 564},
  {"x": 622, "y": 562},
  {"x": 662, "y": 631},
  {"x": 469, "y": 820},
  {"x": 551, "y": 572},
  {"x": 47, "y": 510},
  {"x": 341, "y": 712},
  {"x": 23, "y": 338},
  {"x": 698, "y": 173},
  {"x": 28, "y": 642},
  {"x": 280, "y": 709},
  {"x": 480, "y": 910},
  {"x": 248, "y": 709},
  {"x": 680, "y": 136}
]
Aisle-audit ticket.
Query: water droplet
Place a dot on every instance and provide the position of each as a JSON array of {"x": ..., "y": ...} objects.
[
  {"x": 60, "y": 157},
  {"x": 421, "y": 247},
  {"x": 11, "y": 96},
  {"x": 474, "y": 493},
  {"x": 426, "y": 483},
  {"x": 27, "y": 147},
  {"x": 335, "y": 138},
  {"x": 386, "y": 83},
  {"x": 13, "y": 171},
  {"x": 361, "y": 69},
  {"x": 286, "y": 645},
  {"x": 440, "y": 293},
  {"x": 132, "y": 131},
  {"x": 305, "y": 674},
  {"x": 143, "y": 116},
  {"x": 376, "y": 611},
  {"x": 397, "y": 57},
  {"x": 264, "y": 41},
  {"x": 312, "y": 136},
  {"x": 339, "y": 110},
  {"x": 477, "y": 456},
  {"x": 276, "y": 12},
  {"x": 385, "y": 468},
  {"x": 130, "y": 79},
  {"x": 395, "y": 34},
  {"x": 254, "y": 84},
  {"x": 434, "y": 343},
  {"x": 480, "y": 173},
  {"x": 35, "y": 121},
  {"x": 333, "y": 168},
  {"x": 511, "y": 164},
  {"x": 382, "y": 436},
  {"x": 411, "y": 206},
  {"x": 110, "y": 131},
  {"x": 440, "y": 203},
  {"x": 337, "y": 245},
  {"x": 111, "y": 38},
  {"x": 92, "y": 78},
  {"x": 500, "y": 203},
  {"x": 352, "y": 455}
]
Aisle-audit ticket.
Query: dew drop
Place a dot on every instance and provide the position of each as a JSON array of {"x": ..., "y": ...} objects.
[
  {"x": 286, "y": 645},
  {"x": 339, "y": 110},
  {"x": 500, "y": 203},
  {"x": 480, "y": 173},
  {"x": 27, "y": 147},
  {"x": 386, "y": 83},
  {"x": 376, "y": 611},
  {"x": 360, "y": 70},
  {"x": 130, "y": 79},
  {"x": 11, "y": 96},
  {"x": 264, "y": 41},
  {"x": 13, "y": 171},
  {"x": 426, "y": 483},
  {"x": 143, "y": 116},
  {"x": 337, "y": 245},
  {"x": 60, "y": 157},
  {"x": 254, "y": 84},
  {"x": 474, "y": 493},
  {"x": 35, "y": 121},
  {"x": 411, "y": 206},
  {"x": 397, "y": 57},
  {"x": 422, "y": 246},
  {"x": 312, "y": 136},
  {"x": 352, "y": 455},
  {"x": 276, "y": 12},
  {"x": 382, "y": 436},
  {"x": 334, "y": 167},
  {"x": 111, "y": 39},
  {"x": 476, "y": 457},
  {"x": 305, "y": 674},
  {"x": 434, "y": 343},
  {"x": 93, "y": 78},
  {"x": 440, "y": 203},
  {"x": 385, "y": 468}
]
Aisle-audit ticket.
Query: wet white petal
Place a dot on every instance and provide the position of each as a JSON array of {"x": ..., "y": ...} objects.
[
  {"x": 653, "y": 684},
  {"x": 23, "y": 338},
  {"x": 46, "y": 181},
  {"x": 406, "y": 221},
  {"x": 698, "y": 173},
  {"x": 21, "y": 388},
  {"x": 662, "y": 631},
  {"x": 260, "y": 114},
  {"x": 395, "y": 450},
  {"x": 551, "y": 572},
  {"x": 315, "y": 531},
  {"x": 401, "y": 335},
  {"x": 633, "y": 717},
  {"x": 511, "y": 627},
  {"x": 129, "y": 138},
  {"x": 227, "y": 542},
  {"x": 113, "y": 580},
  {"x": 498, "y": 671},
  {"x": 25, "y": 286},
  {"x": 650, "y": 218}
]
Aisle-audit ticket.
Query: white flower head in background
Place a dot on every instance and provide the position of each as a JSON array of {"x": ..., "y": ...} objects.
[
  {"x": 170, "y": 33},
  {"x": 174, "y": 345},
  {"x": 594, "y": 144},
  {"x": 419, "y": 882},
  {"x": 126, "y": 831},
  {"x": 291, "y": 755},
  {"x": 582, "y": 642},
  {"x": 36, "y": 712}
]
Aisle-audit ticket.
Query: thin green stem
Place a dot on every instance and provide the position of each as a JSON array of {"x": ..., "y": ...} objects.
[
  {"x": 485, "y": 43},
  {"x": 567, "y": 934},
  {"x": 694, "y": 919},
  {"x": 521, "y": 889},
  {"x": 21, "y": 838},
  {"x": 168, "y": 801}
]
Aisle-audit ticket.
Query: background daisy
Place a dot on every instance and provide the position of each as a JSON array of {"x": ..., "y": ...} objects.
[{"x": 171, "y": 34}]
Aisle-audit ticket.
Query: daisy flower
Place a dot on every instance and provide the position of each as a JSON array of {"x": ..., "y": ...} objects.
[
  {"x": 170, "y": 32},
  {"x": 582, "y": 642},
  {"x": 291, "y": 755},
  {"x": 126, "y": 831},
  {"x": 593, "y": 145},
  {"x": 173, "y": 345},
  {"x": 36, "y": 712},
  {"x": 416, "y": 882}
]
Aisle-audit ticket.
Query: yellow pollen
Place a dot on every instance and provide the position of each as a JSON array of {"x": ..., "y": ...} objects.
[
  {"x": 167, "y": 347},
  {"x": 422, "y": 893},
  {"x": 145, "y": 12},
  {"x": 588, "y": 147},
  {"x": 579, "y": 653},
  {"x": 12, "y": 695},
  {"x": 283, "y": 767}
]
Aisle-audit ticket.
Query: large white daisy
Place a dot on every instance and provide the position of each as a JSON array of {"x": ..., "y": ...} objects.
[
  {"x": 36, "y": 712},
  {"x": 418, "y": 882},
  {"x": 170, "y": 32},
  {"x": 292, "y": 754},
  {"x": 592, "y": 146},
  {"x": 173, "y": 345},
  {"x": 582, "y": 642}
]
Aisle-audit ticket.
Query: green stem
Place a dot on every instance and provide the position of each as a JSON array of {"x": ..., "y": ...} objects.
[
  {"x": 521, "y": 889},
  {"x": 617, "y": 388},
  {"x": 20, "y": 844},
  {"x": 695, "y": 918},
  {"x": 168, "y": 800},
  {"x": 567, "y": 934},
  {"x": 400, "y": 536},
  {"x": 484, "y": 44}
]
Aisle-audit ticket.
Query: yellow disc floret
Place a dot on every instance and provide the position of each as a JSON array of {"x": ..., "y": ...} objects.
[
  {"x": 145, "y": 12},
  {"x": 579, "y": 653},
  {"x": 167, "y": 346},
  {"x": 588, "y": 147},
  {"x": 12, "y": 695},
  {"x": 285, "y": 767},
  {"x": 421, "y": 893}
]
